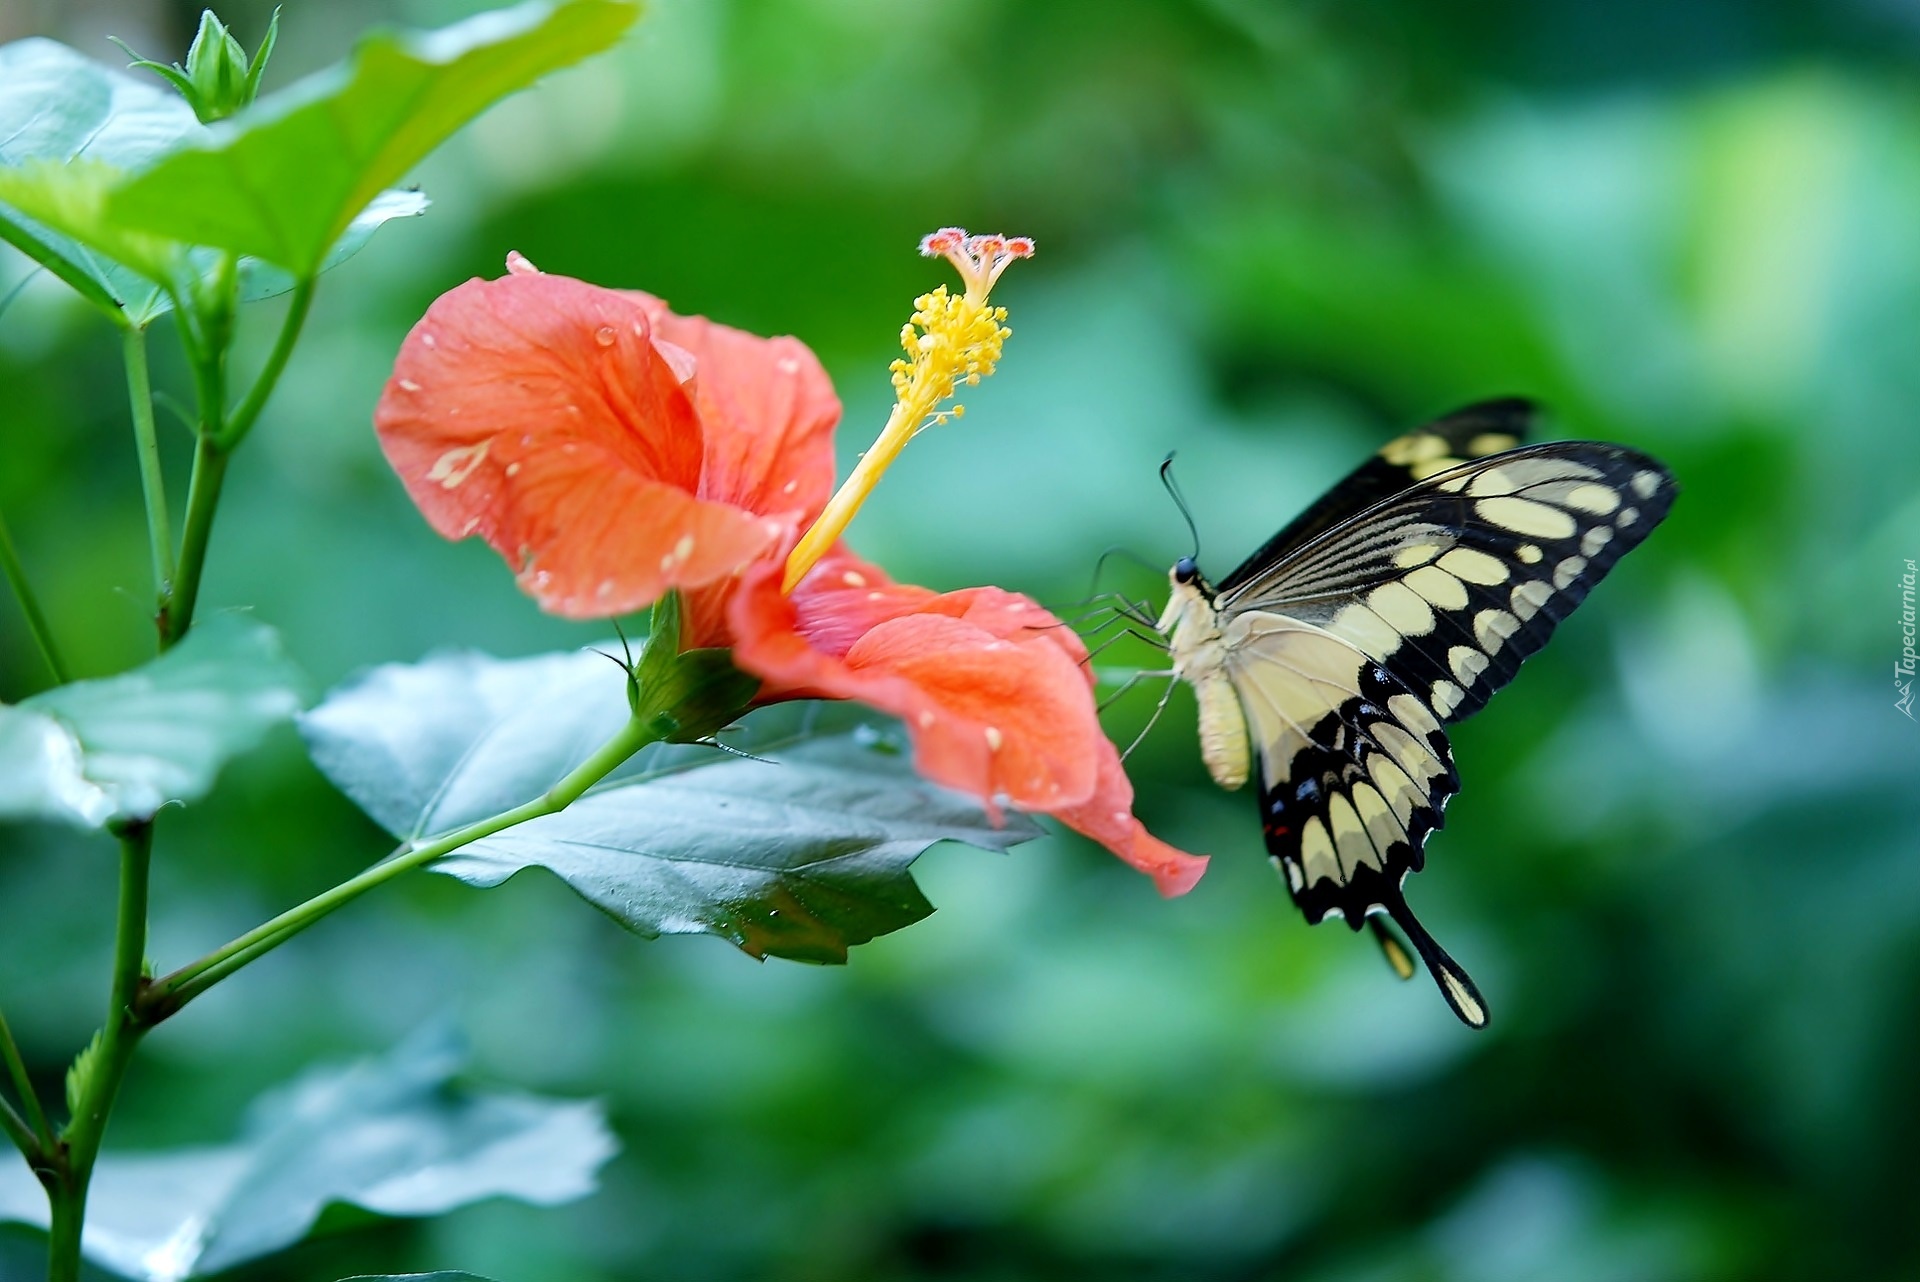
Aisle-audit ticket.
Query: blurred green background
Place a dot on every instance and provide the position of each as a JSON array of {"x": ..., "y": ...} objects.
[{"x": 1685, "y": 865}]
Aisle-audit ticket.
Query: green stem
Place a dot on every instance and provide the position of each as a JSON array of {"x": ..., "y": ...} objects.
[
  {"x": 30, "y": 605},
  {"x": 203, "y": 499},
  {"x": 168, "y": 994},
  {"x": 241, "y": 420},
  {"x": 219, "y": 435},
  {"x": 23, "y": 1083},
  {"x": 100, "y": 1084},
  {"x": 153, "y": 484},
  {"x": 65, "y": 1226},
  {"x": 19, "y": 1132}
]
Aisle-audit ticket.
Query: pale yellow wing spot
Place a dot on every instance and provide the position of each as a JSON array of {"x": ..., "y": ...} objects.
[
  {"x": 1569, "y": 570},
  {"x": 1412, "y": 714},
  {"x": 1526, "y": 518},
  {"x": 1438, "y": 586},
  {"x": 1597, "y": 499},
  {"x": 1593, "y": 540},
  {"x": 1491, "y": 628},
  {"x": 1365, "y": 629},
  {"x": 1446, "y": 697},
  {"x": 1528, "y": 597},
  {"x": 1463, "y": 999},
  {"x": 1467, "y": 663},
  {"x": 1413, "y": 756},
  {"x": 1415, "y": 554},
  {"x": 1350, "y": 844},
  {"x": 1415, "y": 447},
  {"x": 1316, "y": 851},
  {"x": 1492, "y": 482},
  {"x": 1473, "y": 566},
  {"x": 1382, "y": 826},
  {"x": 1396, "y": 785},
  {"x": 1406, "y": 610}
]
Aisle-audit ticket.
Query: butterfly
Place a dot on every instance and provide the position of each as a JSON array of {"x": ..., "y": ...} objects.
[{"x": 1327, "y": 665}]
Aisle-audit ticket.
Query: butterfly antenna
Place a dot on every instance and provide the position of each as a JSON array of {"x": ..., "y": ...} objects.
[
  {"x": 1100, "y": 566},
  {"x": 1180, "y": 501}
]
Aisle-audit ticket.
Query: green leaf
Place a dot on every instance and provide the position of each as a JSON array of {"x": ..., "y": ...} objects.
[
  {"x": 57, "y": 105},
  {"x": 798, "y": 856},
  {"x": 428, "y": 747},
  {"x": 122, "y": 747},
  {"x": 284, "y": 179},
  {"x": 71, "y": 132},
  {"x": 394, "y": 1135},
  {"x": 70, "y": 198},
  {"x": 263, "y": 280}
]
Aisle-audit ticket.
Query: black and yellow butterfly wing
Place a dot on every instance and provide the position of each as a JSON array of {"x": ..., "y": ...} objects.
[
  {"x": 1353, "y": 772},
  {"x": 1423, "y": 579}
]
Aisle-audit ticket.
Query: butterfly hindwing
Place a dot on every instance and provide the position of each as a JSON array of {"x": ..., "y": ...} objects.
[
  {"x": 1455, "y": 580},
  {"x": 1476, "y": 430},
  {"x": 1354, "y": 769},
  {"x": 1354, "y": 774}
]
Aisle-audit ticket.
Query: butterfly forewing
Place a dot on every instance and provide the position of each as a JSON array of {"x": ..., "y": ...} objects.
[
  {"x": 1453, "y": 581},
  {"x": 1477, "y": 430}
]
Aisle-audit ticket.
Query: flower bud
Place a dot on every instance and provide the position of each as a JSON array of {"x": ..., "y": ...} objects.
[{"x": 218, "y": 80}]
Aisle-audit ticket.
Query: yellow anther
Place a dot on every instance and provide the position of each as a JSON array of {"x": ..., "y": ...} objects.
[{"x": 951, "y": 339}]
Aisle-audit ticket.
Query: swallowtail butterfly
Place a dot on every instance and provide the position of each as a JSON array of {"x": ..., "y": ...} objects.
[{"x": 1396, "y": 604}]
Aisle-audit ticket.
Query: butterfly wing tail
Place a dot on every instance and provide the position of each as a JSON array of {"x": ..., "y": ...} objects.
[{"x": 1454, "y": 983}]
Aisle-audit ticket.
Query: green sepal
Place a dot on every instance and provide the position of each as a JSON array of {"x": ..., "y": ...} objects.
[{"x": 685, "y": 696}]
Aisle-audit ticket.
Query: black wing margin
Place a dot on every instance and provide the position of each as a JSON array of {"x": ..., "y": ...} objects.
[{"x": 1473, "y": 431}]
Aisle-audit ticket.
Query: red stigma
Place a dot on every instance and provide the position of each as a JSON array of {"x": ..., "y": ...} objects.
[{"x": 945, "y": 241}]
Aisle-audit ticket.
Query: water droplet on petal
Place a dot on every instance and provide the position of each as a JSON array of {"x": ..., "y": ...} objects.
[{"x": 605, "y": 336}]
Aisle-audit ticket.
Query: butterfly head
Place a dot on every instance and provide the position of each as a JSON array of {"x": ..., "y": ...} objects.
[
  {"x": 1187, "y": 580},
  {"x": 1191, "y": 598}
]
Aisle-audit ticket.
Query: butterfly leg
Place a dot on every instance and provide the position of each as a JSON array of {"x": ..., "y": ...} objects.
[
  {"x": 1158, "y": 708},
  {"x": 1132, "y": 681},
  {"x": 1455, "y": 984}
]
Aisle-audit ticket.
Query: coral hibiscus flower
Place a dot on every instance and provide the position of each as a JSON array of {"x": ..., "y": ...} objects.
[{"x": 613, "y": 451}]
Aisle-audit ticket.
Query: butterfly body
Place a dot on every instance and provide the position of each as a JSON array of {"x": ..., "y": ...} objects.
[
  {"x": 1200, "y": 653},
  {"x": 1327, "y": 664}
]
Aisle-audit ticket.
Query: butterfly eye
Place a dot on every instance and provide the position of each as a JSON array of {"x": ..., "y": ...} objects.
[{"x": 1185, "y": 571}]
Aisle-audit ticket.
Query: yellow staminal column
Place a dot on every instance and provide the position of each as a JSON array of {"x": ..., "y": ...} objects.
[{"x": 951, "y": 340}]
